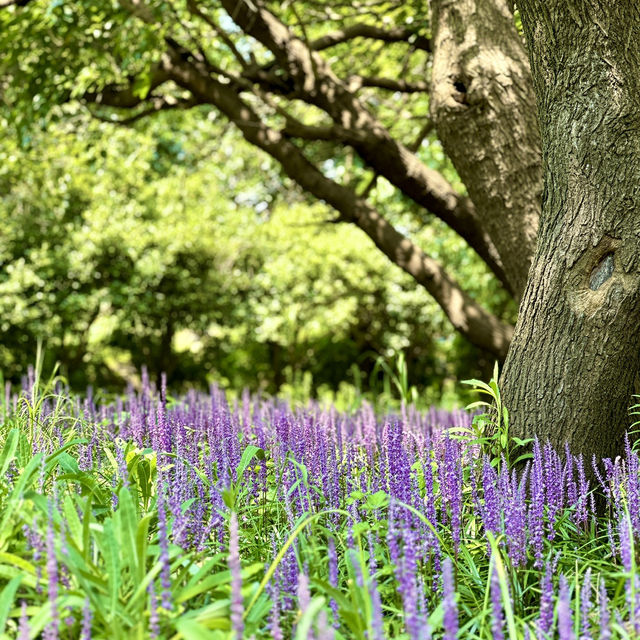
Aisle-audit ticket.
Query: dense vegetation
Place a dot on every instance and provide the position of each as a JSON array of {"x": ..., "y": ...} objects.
[{"x": 194, "y": 517}]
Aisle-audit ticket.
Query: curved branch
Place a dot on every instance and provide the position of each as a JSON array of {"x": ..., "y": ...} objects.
[
  {"x": 399, "y": 34},
  {"x": 390, "y": 84},
  {"x": 479, "y": 326},
  {"x": 160, "y": 103},
  {"x": 317, "y": 84}
]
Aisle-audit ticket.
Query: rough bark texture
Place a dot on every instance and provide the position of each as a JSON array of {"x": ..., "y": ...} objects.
[
  {"x": 482, "y": 102},
  {"x": 575, "y": 356}
]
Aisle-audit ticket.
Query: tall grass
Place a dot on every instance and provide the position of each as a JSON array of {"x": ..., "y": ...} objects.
[{"x": 153, "y": 517}]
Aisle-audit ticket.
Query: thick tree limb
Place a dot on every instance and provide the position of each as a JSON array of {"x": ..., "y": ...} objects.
[
  {"x": 317, "y": 84},
  {"x": 390, "y": 84},
  {"x": 399, "y": 34},
  {"x": 483, "y": 104},
  {"x": 478, "y": 325}
]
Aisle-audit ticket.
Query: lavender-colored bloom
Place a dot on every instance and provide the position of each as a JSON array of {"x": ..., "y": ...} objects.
[
  {"x": 23, "y": 626},
  {"x": 450, "y": 620},
  {"x": 324, "y": 631},
  {"x": 585, "y": 606},
  {"x": 605, "y": 630},
  {"x": 536, "y": 506},
  {"x": 514, "y": 514},
  {"x": 546, "y": 600},
  {"x": 165, "y": 571},
  {"x": 333, "y": 577},
  {"x": 633, "y": 495},
  {"x": 497, "y": 617},
  {"x": 625, "y": 542},
  {"x": 51, "y": 630},
  {"x": 304, "y": 595},
  {"x": 565, "y": 621},
  {"x": 274, "y": 616},
  {"x": 491, "y": 508},
  {"x": 87, "y": 616},
  {"x": 376, "y": 604},
  {"x": 451, "y": 486},
  {"x": 237, "y": 604},
  {"x": 154, "y": 617}
]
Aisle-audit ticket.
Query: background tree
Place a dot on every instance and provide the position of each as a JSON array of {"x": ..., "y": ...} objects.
[{"x": 335, "y": 93}]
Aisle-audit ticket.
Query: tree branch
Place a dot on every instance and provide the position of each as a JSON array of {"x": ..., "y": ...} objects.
[
  {"x": 318, "y": 85},
  {"x": 390, "y": 84},
  {"x": 127, "y": 96},
  {"x": 478, "y": 325},
  {"x": 159, "y": 103},
  {"x": 399, "y": 34}
]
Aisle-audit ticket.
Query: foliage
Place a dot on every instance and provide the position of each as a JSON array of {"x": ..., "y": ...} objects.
[
  {"x": 158, "y": 517},
  {"x": 126, "y": 247}
]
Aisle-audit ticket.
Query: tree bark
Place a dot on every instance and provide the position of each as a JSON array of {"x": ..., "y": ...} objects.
[
  {"x": 483, "y": 105},
  {"x": 575, "y": 356}
]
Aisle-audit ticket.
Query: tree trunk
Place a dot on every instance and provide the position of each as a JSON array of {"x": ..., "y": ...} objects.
[
  {"x": 482, "y": 103},
  {"x": 575, "y": 355}
]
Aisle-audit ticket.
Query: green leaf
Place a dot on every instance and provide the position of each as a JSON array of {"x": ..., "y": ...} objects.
[
  {"x": 247, "y": 455},
  {"x": 9, "y": 450},
  {"x": 6, "y": 600},
  {"x": 192, "y": 630},
  {"x": 303, "y": 630}
]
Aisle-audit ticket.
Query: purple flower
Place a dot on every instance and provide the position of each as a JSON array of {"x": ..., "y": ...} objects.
[
  {"x": 154, "y": 618},
  {"x": 51, "y": 630},
  {"x": 565, "y": 621},
  {"x": 497, "y": 618},
  {"x": 491, "y": 509},
  {"x": 23, "y": 627},
  {"x": 605, "y": 631},
  {"x": 325, "y": 632},
  {"x": 237, "y": 604},
  {"x": 536, "y": 507},
  {"x": 585, "y": 606},
  {"x": 165, "y": 571},
  {"x": 450, "y": 620},
  {"x": 333, "y": 577},
  {"x": 274, "y": 617},
  {"x": 625, "y": 542},
  {"x": 451, "y": 486},
  {"x": 376, "y": 604},
  {"x": 546, "y": 599},
  {"x": 304, "y": 596},
  {"x": 87, "y": 615}
]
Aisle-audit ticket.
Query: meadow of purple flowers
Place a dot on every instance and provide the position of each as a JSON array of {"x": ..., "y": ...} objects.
[{"x": 154, "y": 517}]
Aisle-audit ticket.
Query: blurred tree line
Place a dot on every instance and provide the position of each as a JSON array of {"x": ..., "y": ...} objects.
[{"x": 176, "y": 248}]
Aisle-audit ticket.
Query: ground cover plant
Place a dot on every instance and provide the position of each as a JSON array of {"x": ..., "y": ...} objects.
[{"x": 198, "y": 517}]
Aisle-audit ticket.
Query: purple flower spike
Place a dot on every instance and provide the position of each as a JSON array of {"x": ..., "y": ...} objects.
[
  {"x": 237, "y": 604},
  {"x": 546, "y": 600},
  {"x": 333, "y": 578},
  {"x": 154, "y": 618},
  {"x": 450, "y": 620},
  {"x": 497, "y": 621},
  {"x": 304, "y": 597},
  {"x": 51, "y": 630},
  {"x": 87, "y": 615},
  {"x": 585, "y": 606},
  {"x": 165, "y": 572},
  {"x": 605, "y": 631},
  {"x": 565, "y": 621},
  {"x": 23, "y": 627}
]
